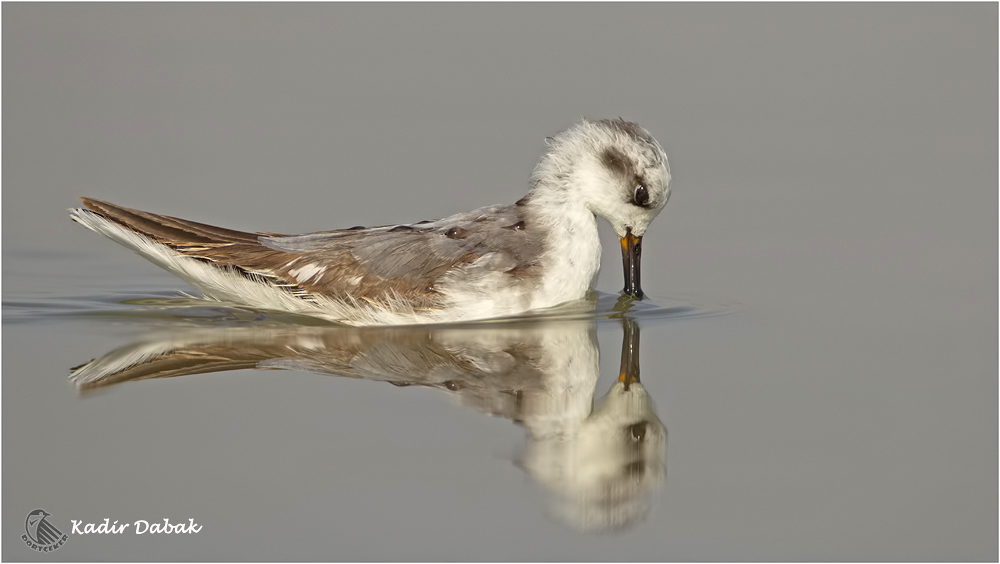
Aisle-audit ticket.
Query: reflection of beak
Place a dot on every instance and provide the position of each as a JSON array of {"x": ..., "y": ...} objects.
[
  {"x": 629, "y": 372},
  {"x": 631, "y": 251}
]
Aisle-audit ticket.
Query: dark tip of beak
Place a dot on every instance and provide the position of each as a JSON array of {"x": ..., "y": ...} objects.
[{"x": 631, "y": 255}]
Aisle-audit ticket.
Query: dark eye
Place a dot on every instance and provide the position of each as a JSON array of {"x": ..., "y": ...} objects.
[{"x": 641, "y": 194}]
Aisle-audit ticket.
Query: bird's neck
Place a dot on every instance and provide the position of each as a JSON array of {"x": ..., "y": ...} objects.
[{"x": 572, "y": 252}]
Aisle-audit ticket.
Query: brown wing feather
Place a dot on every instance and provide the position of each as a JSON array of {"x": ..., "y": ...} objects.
[
  {"x": 167, "y": 229},
  {"x": 371, "y": 265}
]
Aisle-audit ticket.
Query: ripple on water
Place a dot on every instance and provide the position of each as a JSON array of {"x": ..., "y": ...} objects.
[{"x": 171, "y": 307}]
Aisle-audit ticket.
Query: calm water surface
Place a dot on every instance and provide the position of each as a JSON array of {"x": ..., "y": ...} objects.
[
  {"x": 533, "y": 439},
  {"x": 814, "y": 376}
]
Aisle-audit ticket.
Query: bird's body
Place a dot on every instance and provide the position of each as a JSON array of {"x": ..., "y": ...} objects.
[{"x": 491, "y": 262}]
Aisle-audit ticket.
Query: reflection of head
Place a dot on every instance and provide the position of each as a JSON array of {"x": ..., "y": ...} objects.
[{"x": 601, "y": 476}]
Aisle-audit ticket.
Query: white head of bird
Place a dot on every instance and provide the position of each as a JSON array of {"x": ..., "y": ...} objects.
[{"x": 616, "y": 170}]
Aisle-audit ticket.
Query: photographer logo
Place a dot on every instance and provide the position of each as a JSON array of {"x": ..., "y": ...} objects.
[{"x": 40, "y": 534}]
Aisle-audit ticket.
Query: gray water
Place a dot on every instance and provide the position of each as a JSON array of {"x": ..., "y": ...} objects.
[{"x": 818, "y": 353}]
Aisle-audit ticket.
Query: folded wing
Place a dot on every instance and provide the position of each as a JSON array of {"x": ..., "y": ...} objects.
[{"x": 375, "y": 265}]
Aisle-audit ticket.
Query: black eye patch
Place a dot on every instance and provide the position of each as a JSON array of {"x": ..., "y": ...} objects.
[{"x": 617, "y": 162}]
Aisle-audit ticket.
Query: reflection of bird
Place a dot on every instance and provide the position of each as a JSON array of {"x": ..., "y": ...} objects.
[
  {"x": 40, "y": 530},
  {"x": 600, "y": 464},
  {"x": 490, "y": 262},
  {"x": 599, "y": 469}
]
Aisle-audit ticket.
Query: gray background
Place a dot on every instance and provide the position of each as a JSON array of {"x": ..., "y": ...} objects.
[{"x": 835, "y": 197}]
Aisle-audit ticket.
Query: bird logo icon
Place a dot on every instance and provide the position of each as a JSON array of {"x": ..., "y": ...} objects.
[{"x": 40, "y": 534}]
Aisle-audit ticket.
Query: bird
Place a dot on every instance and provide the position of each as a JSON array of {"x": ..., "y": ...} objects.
[{"x": 492, "y": 262}]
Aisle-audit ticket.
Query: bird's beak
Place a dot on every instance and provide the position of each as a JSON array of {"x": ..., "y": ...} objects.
[{"x": 631, "y": 253}]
